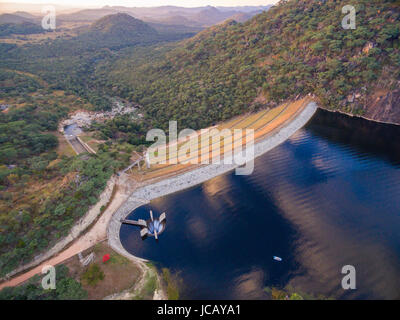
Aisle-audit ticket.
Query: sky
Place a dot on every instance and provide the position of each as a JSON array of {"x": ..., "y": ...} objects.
[{"x": 149, "y": 3}]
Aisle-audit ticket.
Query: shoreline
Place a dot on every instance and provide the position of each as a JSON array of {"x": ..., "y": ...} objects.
[
  {"x": 359, "y": 117},
  {"x": 143, "y": 195}
]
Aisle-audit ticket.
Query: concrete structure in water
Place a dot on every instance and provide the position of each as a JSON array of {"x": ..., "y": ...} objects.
[{"x": 152, "y": 227}]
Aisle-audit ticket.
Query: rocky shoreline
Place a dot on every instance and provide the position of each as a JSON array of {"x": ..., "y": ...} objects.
[
  {"x": 84, "y": 119},
  {"x": 361, "y": 117}
]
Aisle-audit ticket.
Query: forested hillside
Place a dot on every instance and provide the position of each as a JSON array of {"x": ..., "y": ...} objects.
[
  {"x": 43, "y": 189},
  {"x": 182, "y": 16},
  {"x": 22, "y": 28},
  {"x": 14, "y": 18},
  {"x": 68, "y": 63},
  {"x": 118, "y": 31},
  {"x": 296, "y": 48}
]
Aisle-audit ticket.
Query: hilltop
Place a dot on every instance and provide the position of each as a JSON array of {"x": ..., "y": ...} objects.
[
  {"x": 120, "y": 29},
  {"x": 23, "y": 28},
  {"x": 19, "y": 23},
  {"x": 192, "y": 17}
]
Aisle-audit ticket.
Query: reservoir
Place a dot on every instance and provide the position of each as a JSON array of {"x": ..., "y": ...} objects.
[{"x": 326, "y": 198}]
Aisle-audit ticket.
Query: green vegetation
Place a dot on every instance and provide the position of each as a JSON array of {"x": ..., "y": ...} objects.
[
  {"x": 21, "y": 132},
  {"x": 12, "y": 83},
  {"x": 149, "y": 287},
  {"x": 289, "y": 293},
  {"x": 118, "y": 31},
  {"x": 69, "y": 63},
  {"x": 20, "y": 28},
  {"x": 118, "y": 259},
  {"x": 66, "y": 289},
  {"x": 296, "y": 48},
  {"x": 43, "y": 218},
  {"x": 172, "y": 288},
  {"x": 115, "y": 276},
  {"x": 42, "y": 193},
  {"x": 92, "y": 275},
  {"x": 124, "y": 128}
]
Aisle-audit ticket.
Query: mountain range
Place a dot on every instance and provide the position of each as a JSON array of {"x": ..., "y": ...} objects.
[{"x": 192, "y": 17}]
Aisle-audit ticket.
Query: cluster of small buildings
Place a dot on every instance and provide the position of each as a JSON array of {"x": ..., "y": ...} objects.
[{"x": 84, "y": 118}]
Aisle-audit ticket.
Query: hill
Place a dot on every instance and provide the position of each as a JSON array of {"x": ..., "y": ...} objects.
[
  {"x": 174, "y": 20},
  {"x": 87, "y": 14},
  {"x": 121, "y": 27},
  {"x": 68, "y": 62},
  {"x": 212, "y": 15},
  {"x": 13, "y": 18},
  {"x": 243, "y": 17},
  {"x": 117, "y": 31},
  {"x": 27, "y": 15},
  {"x": 24, "y": 28},
  {"x": 297, "y": 47},
  {"x": 193, "y": 17},
  {"x": 246, "y": 9},
  {"x": 113, "y": 32}
]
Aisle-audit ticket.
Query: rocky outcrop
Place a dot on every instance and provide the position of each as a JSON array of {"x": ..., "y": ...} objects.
[
  {"x": 84, "y": 118},
  {"x": 384, "y": 106}
]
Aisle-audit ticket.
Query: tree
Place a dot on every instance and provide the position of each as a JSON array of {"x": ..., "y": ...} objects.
[{"x": 69, "y": 289}]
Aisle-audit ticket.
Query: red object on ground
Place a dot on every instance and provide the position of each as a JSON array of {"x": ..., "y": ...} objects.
[{"x": 106, "y": 257}]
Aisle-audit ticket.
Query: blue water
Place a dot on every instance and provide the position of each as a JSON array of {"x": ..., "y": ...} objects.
[{"x": 326, "y": 198}]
